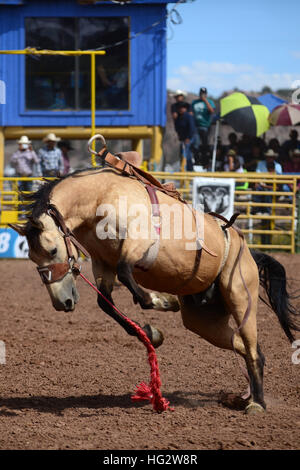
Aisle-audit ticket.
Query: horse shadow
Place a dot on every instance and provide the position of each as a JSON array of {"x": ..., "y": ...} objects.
[{"x": 57, "y": 405}]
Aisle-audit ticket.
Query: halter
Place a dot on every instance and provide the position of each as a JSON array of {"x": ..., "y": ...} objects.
[{"x": 56, "y": 271}]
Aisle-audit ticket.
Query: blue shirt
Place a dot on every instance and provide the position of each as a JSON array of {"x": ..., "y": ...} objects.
[
  {"x": 202, "y": 116},
  {"x": 262, "y": 167}
]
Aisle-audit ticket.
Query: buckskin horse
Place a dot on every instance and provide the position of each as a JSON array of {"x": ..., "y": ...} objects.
[{"x": 215, "y": 279}]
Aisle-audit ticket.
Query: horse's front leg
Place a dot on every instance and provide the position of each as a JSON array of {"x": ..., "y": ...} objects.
[
  {"x": 147, "y": 300},
  {"x": 105, "y": 279}
]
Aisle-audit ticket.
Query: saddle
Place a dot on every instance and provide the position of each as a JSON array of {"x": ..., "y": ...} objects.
[{"x": 127, "y": 168}]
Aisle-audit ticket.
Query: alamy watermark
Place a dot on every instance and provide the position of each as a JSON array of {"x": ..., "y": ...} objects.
[
  {"x": 2, "y": 92},
  {"x": 134, "y": 221},
  {"x": 296, "y": 354},
  {"x": 2, "y": 353},
  {"x": 296, "y": 93}
]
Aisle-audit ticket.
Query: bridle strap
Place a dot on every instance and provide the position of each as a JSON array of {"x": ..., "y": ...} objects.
[
  {"x": 57, "y": 271},
  {"x": 68, "y": 235}
]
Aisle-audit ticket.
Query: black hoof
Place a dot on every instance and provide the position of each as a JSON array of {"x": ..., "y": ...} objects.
[{"x": 155, "y": 336}]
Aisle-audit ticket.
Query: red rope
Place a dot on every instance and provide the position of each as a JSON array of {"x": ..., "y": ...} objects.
[{"x": 152, "y": 391}]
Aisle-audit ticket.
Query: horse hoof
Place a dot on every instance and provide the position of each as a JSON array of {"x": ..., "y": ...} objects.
[
  {"x": 254, "y": 408},
  {"x": 165, "y": 302},
  {"x": 156, "y": 337}
]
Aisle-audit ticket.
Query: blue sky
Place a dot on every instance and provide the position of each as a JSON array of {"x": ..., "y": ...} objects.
[{"x": 223, "y": 44}]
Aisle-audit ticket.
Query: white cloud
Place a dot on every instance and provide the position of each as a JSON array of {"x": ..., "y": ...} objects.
[{"x": 222, "y": 76}]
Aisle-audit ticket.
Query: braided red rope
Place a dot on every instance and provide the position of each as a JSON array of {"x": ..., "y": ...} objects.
[{"x": 152, "y": 391}]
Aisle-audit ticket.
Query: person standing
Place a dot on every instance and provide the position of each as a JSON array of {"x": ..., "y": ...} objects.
[
  {"x": 180, "y": 97},
  {"x": 65, "y": 147},
  {"x": 185, "y": 129},
  {"x": 51, "y": 158},
  {"x": 203, "y": 109},
  {"x": 25, "y": 162}
]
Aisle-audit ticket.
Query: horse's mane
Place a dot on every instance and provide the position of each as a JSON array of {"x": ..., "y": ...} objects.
[{"x": 40, "y": 198}]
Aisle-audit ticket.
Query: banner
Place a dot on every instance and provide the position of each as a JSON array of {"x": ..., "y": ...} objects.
[
  {"x": 12, "y": 245},
  {"x": 214, "y": 195}
]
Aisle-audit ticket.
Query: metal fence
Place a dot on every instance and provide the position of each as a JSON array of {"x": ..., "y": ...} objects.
[{"x": 274, "y": 231}]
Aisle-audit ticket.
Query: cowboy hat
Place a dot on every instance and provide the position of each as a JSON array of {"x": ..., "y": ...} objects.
[
  {"x": 271, "y": 153},
  {"x": 24, "y": 140},
  {"x": 51, "y": 138},
  {"x": 180, "y": 92}
]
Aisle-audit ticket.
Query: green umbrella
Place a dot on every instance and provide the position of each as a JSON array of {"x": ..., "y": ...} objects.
[{"x": 245, "y": 114}]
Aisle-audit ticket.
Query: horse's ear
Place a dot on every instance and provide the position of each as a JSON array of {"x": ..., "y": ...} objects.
[{"x": 20, "y": 228}]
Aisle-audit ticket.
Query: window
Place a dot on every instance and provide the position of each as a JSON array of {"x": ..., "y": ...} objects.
[{"x": 62, "y": 83}]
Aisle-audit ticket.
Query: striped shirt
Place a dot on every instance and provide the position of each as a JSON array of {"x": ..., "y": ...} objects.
[{"x": 51, "y": 160}]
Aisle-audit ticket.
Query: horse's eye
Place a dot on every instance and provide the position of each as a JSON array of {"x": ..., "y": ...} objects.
[{"x": 53, "y": 252}]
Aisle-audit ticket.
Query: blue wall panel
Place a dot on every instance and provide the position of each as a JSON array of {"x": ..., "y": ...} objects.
[{"x": 147, "y": 65}]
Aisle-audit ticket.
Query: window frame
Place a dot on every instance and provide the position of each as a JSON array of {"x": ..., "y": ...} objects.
[{"x": 23, "y": 111}]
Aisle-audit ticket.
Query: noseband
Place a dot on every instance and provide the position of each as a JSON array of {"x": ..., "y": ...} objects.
[{"x": 57, "y": 271}]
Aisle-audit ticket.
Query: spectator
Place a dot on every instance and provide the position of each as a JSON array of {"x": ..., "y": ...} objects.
[
  {"x": 51, "y": 158},
  {"x": 203, "y": 109},
  {"x": 233, "y": 142},
  {"x": 270, "y": 156},
  {"x": 292, "y": 165},
  {"x": 270, "y": 167},
  {"x": 289, "y": 145},
  {"x": 180, "y": 97},
  {"x": 245, "y": 145},
  {"x": 234, "y": 163},
  {"x": 274, "y": 145},
  {"x": 252, "y": 159},
  {"x": 25, "y": 162},
  {"x": 65, "y": 147},
  {"x": 185, "y": 128}
]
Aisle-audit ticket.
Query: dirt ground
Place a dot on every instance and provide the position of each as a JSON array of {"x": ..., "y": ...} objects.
[{"x": 68, "y": 377}]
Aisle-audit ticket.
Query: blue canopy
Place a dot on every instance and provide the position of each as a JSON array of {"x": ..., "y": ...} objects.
[{"x": 271, "y": 101}]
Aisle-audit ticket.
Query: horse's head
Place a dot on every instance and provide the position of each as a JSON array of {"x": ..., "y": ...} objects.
[{"x": 55, "y": 257}]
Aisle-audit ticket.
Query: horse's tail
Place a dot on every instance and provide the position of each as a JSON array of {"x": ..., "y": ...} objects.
[{"x": 272, "y": 278}]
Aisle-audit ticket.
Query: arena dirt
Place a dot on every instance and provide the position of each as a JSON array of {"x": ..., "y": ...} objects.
[{"x": 68, "y": 378}]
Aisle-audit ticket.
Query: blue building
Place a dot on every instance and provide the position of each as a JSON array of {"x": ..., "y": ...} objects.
[{"x": 53, "y": 93}]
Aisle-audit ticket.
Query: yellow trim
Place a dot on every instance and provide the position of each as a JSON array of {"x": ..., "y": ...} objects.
[{"x": 34, "y": 51}]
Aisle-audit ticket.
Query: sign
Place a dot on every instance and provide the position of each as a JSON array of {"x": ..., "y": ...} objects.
[
  {"x": 214, "y": 195},
  {"x": 12, "y": 245}
]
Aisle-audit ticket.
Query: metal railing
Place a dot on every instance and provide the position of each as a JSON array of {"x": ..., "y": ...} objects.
[{"x": 275, "y": 230}]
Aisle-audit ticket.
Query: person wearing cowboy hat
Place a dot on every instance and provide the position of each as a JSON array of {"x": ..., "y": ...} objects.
[
  {"x": 268, "y": 165},
  {"x": 26, "y": 162},
  {"x": 180, "y": 97},
  {"x": 52, "y": 162},
  {"x": 270, "y": 156}
]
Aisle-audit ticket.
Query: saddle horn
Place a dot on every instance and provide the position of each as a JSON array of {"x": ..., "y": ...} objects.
[{"x": 96, "y": 137}]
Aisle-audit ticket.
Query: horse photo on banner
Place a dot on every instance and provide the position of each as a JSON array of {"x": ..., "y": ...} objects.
[{"x": 214, "y": 195}]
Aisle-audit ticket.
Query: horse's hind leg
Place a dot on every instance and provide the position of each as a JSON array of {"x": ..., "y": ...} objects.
[
  {"x": 211, "y": 322},
  {"x": 105, "y": 281},
  {"x": 238, "y": 301}
]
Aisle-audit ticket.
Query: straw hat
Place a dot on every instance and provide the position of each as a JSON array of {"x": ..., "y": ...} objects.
[
  {"x": 271, "y": 153},
  {"x": 51, "y": 138},
  {"x": 24, "y": 140}
]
